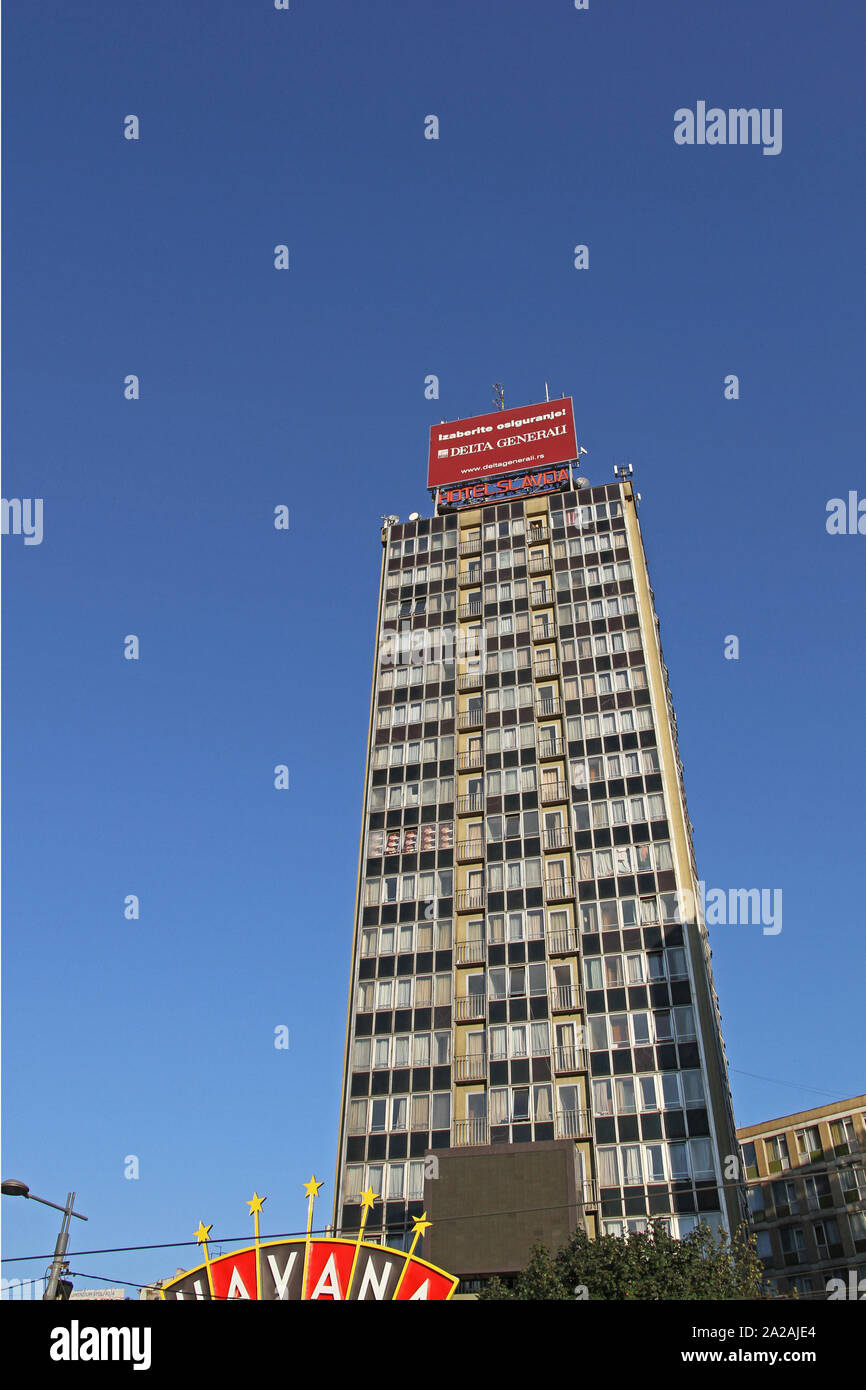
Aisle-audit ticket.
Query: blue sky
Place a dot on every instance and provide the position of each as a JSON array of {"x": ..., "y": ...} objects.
[{"x": 305, "y": 387}]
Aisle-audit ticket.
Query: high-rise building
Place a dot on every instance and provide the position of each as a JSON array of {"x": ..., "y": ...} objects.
[{"x": 533, "y": 1036}]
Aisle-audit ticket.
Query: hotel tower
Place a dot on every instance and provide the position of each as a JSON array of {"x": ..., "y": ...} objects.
[{"x": 533, "y": 1036}]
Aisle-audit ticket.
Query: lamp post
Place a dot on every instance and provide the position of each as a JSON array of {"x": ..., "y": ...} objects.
[{"x": 12, "y": 1187}]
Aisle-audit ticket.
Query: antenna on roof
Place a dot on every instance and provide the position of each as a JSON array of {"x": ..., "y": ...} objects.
[
  {"x": 499, "y": 395},
  {"x": 546, "y": 392}
]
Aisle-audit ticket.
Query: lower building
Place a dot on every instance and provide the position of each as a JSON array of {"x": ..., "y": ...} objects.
[{"x": 806, "y": 1177}]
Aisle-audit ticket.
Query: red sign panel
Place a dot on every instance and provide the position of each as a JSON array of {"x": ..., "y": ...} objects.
[
  {"x": 320, "y": 1270},
  {"x": 532, "y": 437}
]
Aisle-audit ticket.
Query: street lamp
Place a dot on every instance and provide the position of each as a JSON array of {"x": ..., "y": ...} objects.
[{"x": 13, "y": 1187}]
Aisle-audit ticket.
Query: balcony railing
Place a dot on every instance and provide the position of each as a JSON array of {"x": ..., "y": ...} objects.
[
  {"x": 470, "y": 899},
  {"x": 471, "y": 575},
  {"x": 590, "y": 1193},
  {"x": 473, "y": 759},
  {"x": 561, "y": 943},
  {"x": 569, "y": 1059},
  {"x": 553, "y": 791},
  {"x": 559, "y": 837},
  {"x": 572, "y": 1124},
  {"x": 472, "y": 547},
  {"x": 468, "y": 1006},
  {"x": 473, "y": 609},
  {"x": 557, "y": 889},
  {"x": 550, "y": 748},
  {"x": 537, "y": 535},
  {"x": 539, "y": 597},
  {"x": 470, "y": 1132},
  {"x": 542, "y": 632},
  {"x": 472, "y": 848},
  {"x": 541, "y": 669},
  {"x": 564, "y": 999},
  {"x": 470, "y": 680},
  {"x": 472, "y": 1067},
  {"x": 539, "y": 564},
  {"x": 470, "y": 719},
  {"x": 551, "y": 704},
  {"x": 470, "y": 952},
  {"x": 470, "y": 805}
]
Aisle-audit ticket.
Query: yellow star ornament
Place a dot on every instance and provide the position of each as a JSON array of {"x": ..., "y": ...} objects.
[
  {"x": 420, "y": 1224},
  {"x": 368, "y": 1198},
  {"x": 311, "y": 1188},
  {"x": 203, "y": 1232},
  {"x": 256, "y": 1204}
]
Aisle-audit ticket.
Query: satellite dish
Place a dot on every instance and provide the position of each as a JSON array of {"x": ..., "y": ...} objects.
[{"x": 413, "y": 516}]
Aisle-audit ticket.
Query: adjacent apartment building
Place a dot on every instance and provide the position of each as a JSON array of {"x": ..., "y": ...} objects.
[
  {"x": 806, "y": 1176},
  {"x": 533, "y": 1036}
]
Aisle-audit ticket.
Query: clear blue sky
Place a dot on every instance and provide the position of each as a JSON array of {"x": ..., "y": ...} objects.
[{"x": 306, "y": 387}]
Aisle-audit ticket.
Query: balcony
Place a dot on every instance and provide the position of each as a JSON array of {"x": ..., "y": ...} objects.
[
  {"x": 466, "y": 762},
  {"x": 539, "y": 564},
  {"x": 472, "y": 547},
  {"x": 470, "y": 952},
  {"x": 562, "y": 943},
  {"x": 470, "y": 849},
  {"x": 470, "y": 1132},
  {"x": 567, "y": 1060},
  {"x": 473, "y": 609},
  {"x": 470, "y": 805},
  {"x": 558, "y": 889},
  {"x": 471, "y": 575},
  {"x": 550, "y": 748},
  {"x": 472, "y": 1067},
  {"x": 542, "y": 632},
  {"x": 470, "y": 680},
  {"x": 540, "y": 596},
  {"x": 469, "y": 1006},
  {"x": 537, "y": 535},
  {"x": 589, "y": 1193},
  {"x": 558, "y": 837},
  {"x": 470, "y": 900},
  {"x": 565, "y": 999},
  {"x": 572, "y": 1124},
  {"x": 470, "y": 719},
  {"x": 552, "y": 792},
  {"x": 543, "y": 669},
  {"x": 550, "y": 704}
]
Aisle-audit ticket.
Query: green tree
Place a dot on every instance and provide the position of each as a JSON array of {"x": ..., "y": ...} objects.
[{"x": 648, "y": 1265}]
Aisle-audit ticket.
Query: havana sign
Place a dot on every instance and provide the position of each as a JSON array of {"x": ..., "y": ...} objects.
[{"x": 310, "y": 1268}]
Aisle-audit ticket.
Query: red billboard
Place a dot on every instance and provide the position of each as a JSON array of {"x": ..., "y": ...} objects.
[{"x": 531, "y": 437}]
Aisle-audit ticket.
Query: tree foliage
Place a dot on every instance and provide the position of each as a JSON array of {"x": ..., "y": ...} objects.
[{"x": 649, "y": 1265}]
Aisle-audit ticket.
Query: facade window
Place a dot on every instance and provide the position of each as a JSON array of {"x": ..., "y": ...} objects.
[
  {"x": 809, "y": 1143},
  {"x": 842, "y": 1134},
  {"x": 793, "y": 1242}
]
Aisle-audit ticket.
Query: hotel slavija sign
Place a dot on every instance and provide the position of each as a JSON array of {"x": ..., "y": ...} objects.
[
  {"x": 310, "y": 1268},
  {"x": 503, "y": 489},
  {"x": 532, "y": 437}
]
